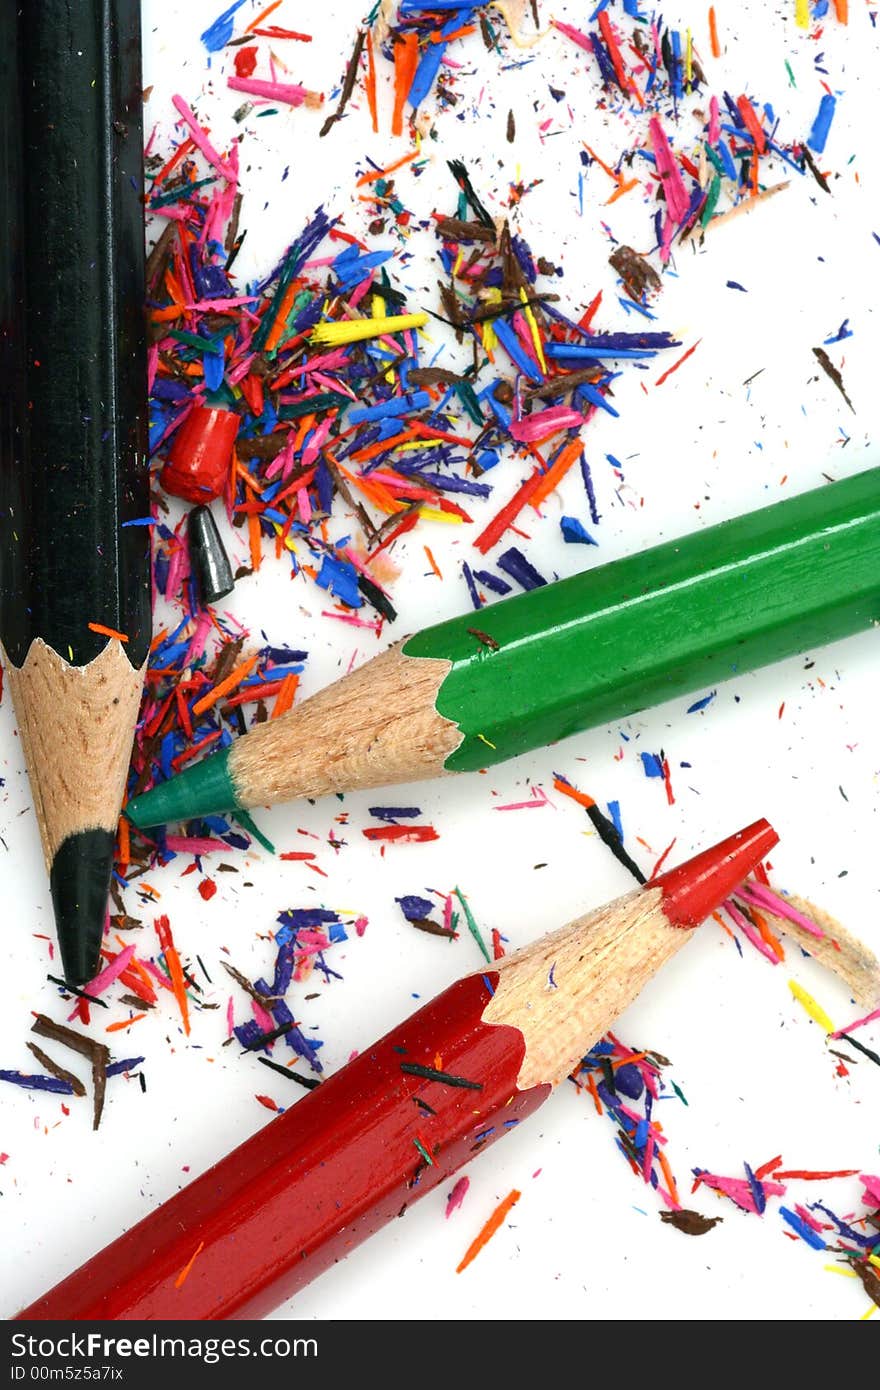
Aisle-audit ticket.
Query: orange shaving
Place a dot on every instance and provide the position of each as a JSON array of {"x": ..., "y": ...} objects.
[
  {"x": 255, "y": 24},
  {"x": 432, "y": 562},
  {"x": 382, "y": 446},
  {"x": 621, "y": 189},
  {"x": 406, "y": 57},
  {"x": 280, "y": 323},
  {"x": 234, "y": 679},
  {"x": 174, "y": 311},
  {"x": 716, "y": 917},
  {"x": 124, "y": 843},
  {"x": 580, "y": 797},
  {"x": 625, "y": 1061},
  {"x": 841, "y": 9},
  {"x": 594, "y": 1093},
  {"x": 769, "y": 937},
  {"x": 306, "y": 423},
  {"x": 373, "y": 174},
  {"x": 437, "y": 35},
  {"x": 254, "y": 541},
  {"x": 246, "y": 477},
  {"x": 553, "y": 477},
  {"x": 488, "y": 1231},
  {"x": 667, "y": 1173},
  {"x": 377, "y": 494},
  {"x": 107, "y": 631},
  {"x": 713, "y": 33},
  {"x": 126, "y": 1023},
  {"x": 181, "y": 1278},
  {"x": 175, "y": 289},
  {"x": 175, "y": 970},
  {"x": 285, "y": 695}
]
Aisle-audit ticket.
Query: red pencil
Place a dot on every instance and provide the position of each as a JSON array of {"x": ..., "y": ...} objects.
[{"x": 399, "y": 1119}]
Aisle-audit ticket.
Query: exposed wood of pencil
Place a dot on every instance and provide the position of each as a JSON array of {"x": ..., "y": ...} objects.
[
  {"x": 566, "y": 990},
  {"x": 838, "y": 950},
  {"x": 374, "y": 728},
  {"x": 743, "y": 208},
  {"x": 76, "y": 725}
]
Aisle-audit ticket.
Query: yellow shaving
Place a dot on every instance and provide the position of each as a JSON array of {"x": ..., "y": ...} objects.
[
  {"x": 808, "y": 1003},
  {"x": 356, "y": 330}
]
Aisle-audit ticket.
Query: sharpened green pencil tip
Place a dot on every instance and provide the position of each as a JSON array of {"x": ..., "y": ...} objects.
[{"x": 204, "y": 789}]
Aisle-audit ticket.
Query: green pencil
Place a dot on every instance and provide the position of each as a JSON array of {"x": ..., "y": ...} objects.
[{"x": 533, "y": 669}]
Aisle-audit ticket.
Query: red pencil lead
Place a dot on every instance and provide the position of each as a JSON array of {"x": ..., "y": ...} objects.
[{"x": 693, "y": 890}]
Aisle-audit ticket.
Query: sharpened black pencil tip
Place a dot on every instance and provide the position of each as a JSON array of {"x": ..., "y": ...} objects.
[{"x": 80, "y": 883}]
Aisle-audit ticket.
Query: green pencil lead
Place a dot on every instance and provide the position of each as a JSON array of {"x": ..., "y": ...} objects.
[{"x": 252, "y": 828}]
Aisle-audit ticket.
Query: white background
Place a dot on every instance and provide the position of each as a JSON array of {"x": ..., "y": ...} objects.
[{"x": 585, "y": 1241}]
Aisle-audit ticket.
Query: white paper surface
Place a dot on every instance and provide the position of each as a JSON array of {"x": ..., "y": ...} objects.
[{"x": 798, "y": 743}]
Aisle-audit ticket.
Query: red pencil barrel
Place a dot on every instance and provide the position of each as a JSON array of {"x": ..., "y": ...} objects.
[{"x": 318, "y": 1180}]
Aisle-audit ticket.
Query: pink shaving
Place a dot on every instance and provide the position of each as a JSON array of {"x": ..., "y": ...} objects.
[
  {"x": 872, "y": 1187},
  {"x": 739, "y": 1190},
  {"x": 576, "y": 35},
  {"x": 714, "y": 121},
  {"x": 106, "y": 977},
  {"x": 772, "y": 902},
  {"x": 201, "y": 141},
  {"x": 457, "y": 1196},
  {"x": 290, "y": 92},
  {"x": 265, "y": 1021},
  {"x": 194, "y": 844},
  {"x": 673, "y": 186},
  {"x": 859, "y": 1023},
  {"x": 753, "y": 935},
  {"x": 546, "y": 423}
]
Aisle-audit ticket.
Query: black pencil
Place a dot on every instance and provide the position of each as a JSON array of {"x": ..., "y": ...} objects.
[{"x": 74, "y": 499}]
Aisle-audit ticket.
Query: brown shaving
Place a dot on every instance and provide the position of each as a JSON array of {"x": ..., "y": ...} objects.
[
  {"x": 870, "y": 1280},
  {"x": 432, "y": 928},
  {"x": 96, "y": 1052},
  {"x": 562, "y": 383},
  {"x": 456, "y": 230},
  {"x": 54, "y": 1070},
  {"x": 264, "y": 999},
  {"x": 351, "y": 73},
  {"x": 833, "y": 374},
  {"x": 435, "y": 376},
  {"x": 691, "y": 1223},
  {"x": 637, "y": 275}
]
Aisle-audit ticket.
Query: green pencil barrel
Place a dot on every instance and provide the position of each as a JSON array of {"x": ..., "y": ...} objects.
[{"x": 661, "y": 624}]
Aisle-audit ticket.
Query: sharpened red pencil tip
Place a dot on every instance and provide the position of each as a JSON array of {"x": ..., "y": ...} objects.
[{"x": 696, "y": 888}]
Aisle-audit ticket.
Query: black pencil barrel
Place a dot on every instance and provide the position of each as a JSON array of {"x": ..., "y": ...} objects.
[{"x": 73, "y": 446}]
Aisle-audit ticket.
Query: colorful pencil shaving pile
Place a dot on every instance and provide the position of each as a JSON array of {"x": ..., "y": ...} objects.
[
  {"x": 347, "y": 417},
  {"x": 628, "y": 1086},
  {"x": 340, "y": 402},
  {"x": 693, "y": 173}
]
